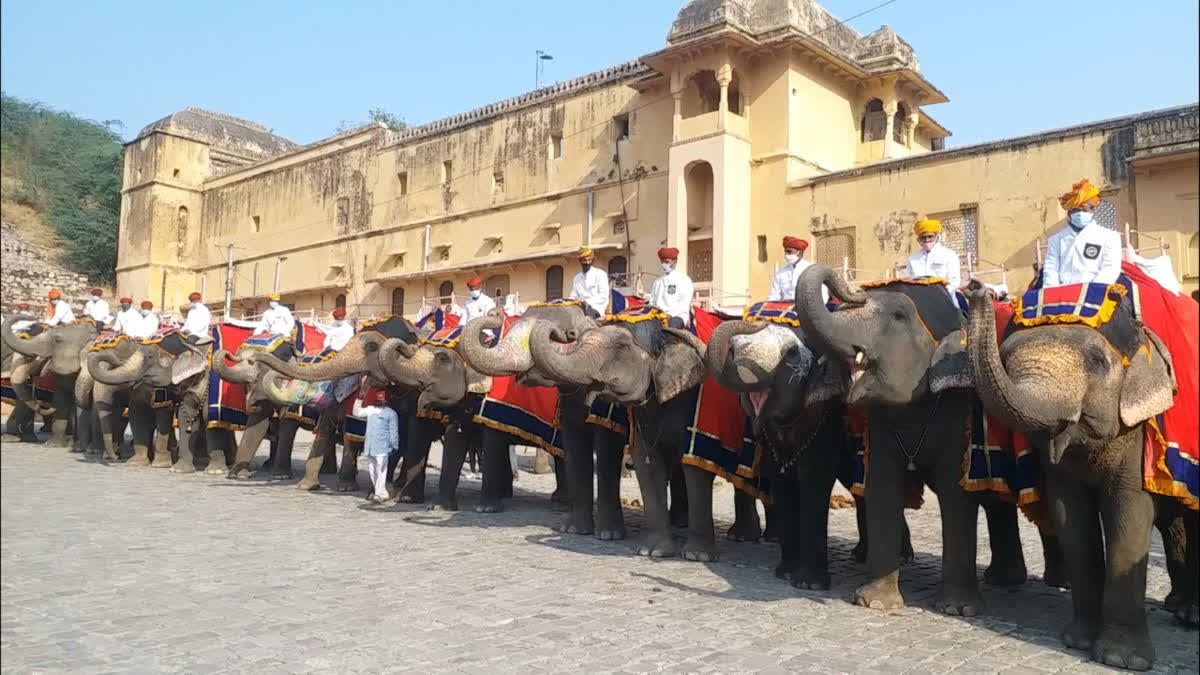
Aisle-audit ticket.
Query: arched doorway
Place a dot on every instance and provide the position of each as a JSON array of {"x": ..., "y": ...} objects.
[
  {"x": 554, "y": 282},
  {"x": 445, "y": 290},
  {"x": 698, "y": 183},
  {"x": 398, "y": 301}
]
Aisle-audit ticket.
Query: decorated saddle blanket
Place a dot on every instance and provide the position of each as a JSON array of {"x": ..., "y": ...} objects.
[
  {"x": 32, "y": 330},
  {"x": 775, "y": 311},
  {"x": 226, "y": 400},
  {"x": 167, "y": 338},
  {"x": 529, "y": 413},
  {"x": 395, "y": 326},
  {"x": 437, "y": 320},
  {"x": 105, "y": 341},
  {"x": 450, "y": 336},
  {"x": 610, "y": 415},
  {"x": 720, "y": 437},
  {"x": 637, "y": 315}
]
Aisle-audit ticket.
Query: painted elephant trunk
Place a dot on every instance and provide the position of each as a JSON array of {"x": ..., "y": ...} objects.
[
  {"x": 350, "y": 361},
  {"x": 241, "y": 372},
  {"x": 35, "y": 347},
  {"x": 107, "y": 368},
  {"x": 568, "y": 363},
  {"x": 509, "y": 357},
  {"x": 405, "y": 364},
  {"x": 717, "y": 360},
  {"x": 1036, "y": 397},
  {"x": 827, "y": 330}
]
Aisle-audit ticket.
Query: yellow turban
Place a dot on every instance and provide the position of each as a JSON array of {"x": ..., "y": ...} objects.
[
  {"x": 926, "y": 226},
  {"x": 1081, "y": 193},
  {"x": 585, "y": 252},
  {"x": 273, "y": 296}
]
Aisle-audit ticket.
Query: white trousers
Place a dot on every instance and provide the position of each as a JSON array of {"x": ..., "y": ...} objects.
[{"x": 377, "y": 469}]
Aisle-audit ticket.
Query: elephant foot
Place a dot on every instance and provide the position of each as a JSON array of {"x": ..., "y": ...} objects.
[
  {"x": 785, "y": 569},
  {"x": 215, "y": 469},
  {"x": 141, "y": 457},
  {"x": 678, "y": 519},
  {"x": 184, "y": 466},
  {"x": 906, "y": 551},
  {"x": 960, "y": 601},
  {"x": 1121, "y": 649},
  {"x": 810, "y": 580},
  {"x": 1080, "y": 634},
  {"x": 700, "y": 549},
  {"x": 444, "y": 504},
  {"x": 75, "y": 449},
  {"x": 309, "y": 485},
  {"x": 109, "y": 456},
  {"x": 239, "y": 471},
  {"x": 411, "y": 499},
  {"x": 658, "y": 545},
  {"x": 161, "y": 461},
  {"x": 610, "y": 534},
  {"x": 769, "y": 536},
  {"x": 10, "y": 438},
  {"x": 883, "y": 593},
  {"x": 31, "y": 438},
  {"x": 489, "y": 506},
  {"x": 859, "y": 554},
  {"x": 347, "y": 485},
  {"x": 610, "y": 527},
  {"x": 559, "y": 496},
  {"x": 1001, "y": 573},
  {"x": 57, "y": 441},
  {"x": 748, "y": 531},
  {"x": 1056, "y": 578},
  {"x": 281, "y": 473},
  {"x": 581, "y": 524},
  {"x": 1187, "y": 613}
]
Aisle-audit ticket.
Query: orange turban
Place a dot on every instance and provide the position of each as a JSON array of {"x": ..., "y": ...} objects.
[
  {"x": 1081, "y": 193},
  {"x": 474, "y": 282},
  {"x": 926, "y": 226},
  {"x": 55, "y": 294}
]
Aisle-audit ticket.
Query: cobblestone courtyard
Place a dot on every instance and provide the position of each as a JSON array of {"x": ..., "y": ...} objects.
[{"x": 115, "y": 568}]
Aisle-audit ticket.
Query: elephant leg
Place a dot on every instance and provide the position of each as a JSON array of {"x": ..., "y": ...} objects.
[
  {"x": 324, "y": 437},
  {"x": 1077, "y": 523},
  {"x": 281, "y": 464},
  {"x": 701, "y": 543},
  {"x": 653, "y": 471},
  {"x": 1189, "y": 583},
  {"x": 746, "y": 524},
  {"x": 190, "y": 430},
  {"x": 163, "y": 434},
  {"x": 1127, "y": 516},
  {"x": 562, "y": 485},
  {"x": 884, "y": 507},
  {"x": 579, "y": 466},
  {"x": 107, "y": 419},
  {"x": 610, "y": 456},
  {"x": 496, "y": 472},
  {"x": 12, "y": 426},
  {"x": 1170, "y": 525},
  {"x": 25, "y": 425},
  {"x": 454, "y": 452},
  {"x": 410, "y": 484},
  {"x": 220, "y": 443},
  {"x": 256, "y": 429},
  {"x": 1008, "y": 559},
  {"x": 329, "y": 463},
  {"x": 960, "y": 594},
  {"x": 348, "y": 470},
  {"x": 678, "y": 496},
  {"x": 1056, "y": 572},
  {"x": 786, "y": 521},
  {"x": 83, "y": 430},
  {"x": 815, "y": 474},
  {"x": 63, "y": 404},
  {"x": 142, "y": 421}
]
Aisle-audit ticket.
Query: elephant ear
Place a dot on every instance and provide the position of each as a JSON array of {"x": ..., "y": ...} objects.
[
  {"x": 827, "y": 382},
  {"x": 678, "y": 368},
  {"x": 950, "y": 367},
  {"x": 1149, "y": 386},
  {"x": 187, "y": 365}
]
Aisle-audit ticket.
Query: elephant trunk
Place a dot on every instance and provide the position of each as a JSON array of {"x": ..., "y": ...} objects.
[
  {"x": 107, "y": 368},
  {"x": 577, "y": 362},
  {"x": 83, "y": 388},
  {"x": 37, "y": 346},
  {"x": 21, "y": 377},
  {"x": 1038, "y": 396},
  {"x": 350, "y": 361},
  {"x": 509, "y": 357},
  {"x": 717, "y": 360},
  {"x": 405, "y": 364},
  {"x": 828, "y": 331},
  {"x": 241, "y": 372},
  {"x": 278, "y": 392}
]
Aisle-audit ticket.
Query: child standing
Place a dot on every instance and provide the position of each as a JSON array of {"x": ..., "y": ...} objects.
[{"x": 382, "y": 439}]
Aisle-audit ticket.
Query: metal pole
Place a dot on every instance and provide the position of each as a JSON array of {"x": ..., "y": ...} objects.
[
  {"x": 278, "y": 264},
  {"x": 587, "y": 230},
  {"x": 228, "y": 280}
]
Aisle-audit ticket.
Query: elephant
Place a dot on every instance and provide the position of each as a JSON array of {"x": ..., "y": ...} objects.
[
  {"x": 807, "y": 446},
  {"x": 59, "y": 347},
  {"x": 20, "y": 423},
  {"x": 901, "y": 344},
  {"x": 658, "y": 371},
  {"x": 1065, "y": 387}
]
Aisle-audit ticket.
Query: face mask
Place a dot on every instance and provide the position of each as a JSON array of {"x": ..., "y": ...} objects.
[
  {"x": 667, "y": 267},
  {"x": 1080, "y": 219},
  {"x": 145, "y": 312},
  {"x": 124, "y": 308},
  {"x": 791, "y": 258},
  {"x": 475, "y": 295},
  {"x": 927, "y": 246},
  {"x": 273, "y": 304},
  {"x": 196, "y": 304}
]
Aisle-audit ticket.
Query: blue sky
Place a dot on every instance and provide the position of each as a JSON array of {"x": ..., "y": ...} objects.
[{"x": 302, "y": 67}]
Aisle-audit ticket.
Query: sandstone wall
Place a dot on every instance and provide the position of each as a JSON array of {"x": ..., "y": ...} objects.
[{"x": 28, "y": 272}]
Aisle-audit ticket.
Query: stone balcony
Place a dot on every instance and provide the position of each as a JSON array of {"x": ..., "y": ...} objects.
[
  {"x": 707, "y": 124},
  {"x": 1168, "y": 135}
]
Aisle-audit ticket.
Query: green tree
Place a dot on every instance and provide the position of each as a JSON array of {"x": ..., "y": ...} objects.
[
  {"x": 388, "y": 119},
  {"x": 71, "y": 170}
]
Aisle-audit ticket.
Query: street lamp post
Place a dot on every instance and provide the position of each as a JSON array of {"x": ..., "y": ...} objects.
[{"x": 537, "y": 70}]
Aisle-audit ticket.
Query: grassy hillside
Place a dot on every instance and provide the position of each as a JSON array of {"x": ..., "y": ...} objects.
[{"x": 63, "y": 172}]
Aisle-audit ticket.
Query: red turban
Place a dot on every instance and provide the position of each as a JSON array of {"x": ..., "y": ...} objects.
[
  {"x": 668, "y": 253},
  {"x": 126, "y": 301},
  {"x": 146, "y": 304},
  {"x": 339, "y": 313},
  {"x": 474, "y": 282},
  {"x": 795, "y": 243},
  {"x": 194, "y": 297},
  {"x": 97, "y": 292}
]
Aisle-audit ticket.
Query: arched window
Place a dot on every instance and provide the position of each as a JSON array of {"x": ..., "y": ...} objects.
[
  {"x": 899, "y": 131},
  {"x": 181, "y": 230},
  {"x": 446, "y": 289},
  {"x": 554, "y": 282},
  {"x": 874, "y": 121},
  {"x": 398, "y": 301},
  {"x": 618, "y": 271},
  {"x": 340, "y": 301},
  {"x": 701, "y": 95}
]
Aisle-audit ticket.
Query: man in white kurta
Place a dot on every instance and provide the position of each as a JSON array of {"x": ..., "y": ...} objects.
[
  {"x": 783, "y": 284},
  {"x": 338, "y": 333},
  {"x": 198, "y": 317},
  {"x": 97, "y": 307},
  {"x": 672, "y": 292},
  {"x": 277, "y": 320},
  {"x": 1084, "y": 251},
  {"x": 145, "y": 325},
  {"x": 479, "y": 304},
  {"x": 934, "y": 259},
  {"x": 127, "y": 316},
  {"x": 60, "y": 310},
  {"x": 590, "y": 285}
]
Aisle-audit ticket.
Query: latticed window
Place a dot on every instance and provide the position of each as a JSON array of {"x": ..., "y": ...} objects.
[
  {"x": 960, "y": 232},
  {"x": 874, "y": 121},
  {"x": 1106, "y": 213},
  {"x": 700, "y": 265},
  {"x": 836, "y": 248}
]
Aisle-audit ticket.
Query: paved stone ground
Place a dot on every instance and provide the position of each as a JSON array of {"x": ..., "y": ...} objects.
[{"x": 115, "y": 568}]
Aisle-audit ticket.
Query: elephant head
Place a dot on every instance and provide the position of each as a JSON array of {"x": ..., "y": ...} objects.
[
  {"x": 237, "y": 368},
  {"x": 899, "y": 343},
  {"x": 1066, "y": 384},
  {"x": 439, "y": 373},
  {"x": 512, "y": 355},
  {"x": 621, "y": 362},
  {"x": 36, "y": 347},
  {"x": 360, "y": 356},
  {"x": 130, "y": 364},
  {"x": 743, "y": 355}
]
